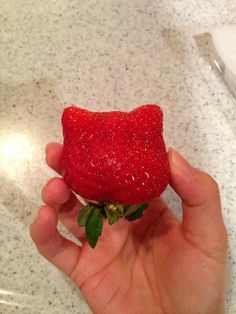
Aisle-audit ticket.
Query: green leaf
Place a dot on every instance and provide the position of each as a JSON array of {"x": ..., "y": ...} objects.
[
  {"x": 93, "y": 227},
  {"x": 83, "y": 214},
  {"x": 103, "y": 212},
  {"x": 112, "y": 216},
  {"x": 130, "y": 209},
  {"x": 137, "y": 213}
]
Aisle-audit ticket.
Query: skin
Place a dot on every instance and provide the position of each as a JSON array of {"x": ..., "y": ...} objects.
[{"x": 154, "y": 265}]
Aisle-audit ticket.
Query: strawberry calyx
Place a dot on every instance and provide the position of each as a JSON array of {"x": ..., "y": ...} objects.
[{"x": 91, "y": 216}]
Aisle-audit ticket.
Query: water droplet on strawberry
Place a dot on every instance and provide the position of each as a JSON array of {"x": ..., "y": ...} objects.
[
  {"x": 91, "y": 137},
  {"x": 146, "y": 178},
  {"x": 84, "y": 136},
  {"x": 93, "y": 163},
  {"x": 114, "y": 163},
  {"x": 105, "y": 159},
  {"x": 99, "y": 161},
  {"x": 129, "y": 178}
]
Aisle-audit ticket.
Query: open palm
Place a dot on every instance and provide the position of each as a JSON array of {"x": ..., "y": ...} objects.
[{"x": 154, "y": 265}]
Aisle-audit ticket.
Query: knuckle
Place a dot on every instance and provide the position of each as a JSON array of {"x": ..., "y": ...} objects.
[
  {"x": 224, "y": 236},
  {"x": 213, "y": 185}
]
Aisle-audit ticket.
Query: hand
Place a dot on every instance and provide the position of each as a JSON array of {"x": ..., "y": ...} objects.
[{"x": 153, "y": 265}]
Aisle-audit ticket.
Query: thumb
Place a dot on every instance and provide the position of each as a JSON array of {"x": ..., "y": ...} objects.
[{"x": 202, "y": 215}]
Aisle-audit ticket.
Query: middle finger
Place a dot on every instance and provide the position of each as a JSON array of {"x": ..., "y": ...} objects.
[{"x": 57, "y": 195}]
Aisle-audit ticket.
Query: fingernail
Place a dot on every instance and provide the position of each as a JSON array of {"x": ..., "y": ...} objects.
[
  {"x": 48, "y": 146},
  {"x": 43, "y": 189},
  {"x": 180, "y": 163},
  {"x": 36, "y": 217}
]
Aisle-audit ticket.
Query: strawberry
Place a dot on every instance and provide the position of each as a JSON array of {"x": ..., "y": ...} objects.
[{"x": 115, "y": 159}]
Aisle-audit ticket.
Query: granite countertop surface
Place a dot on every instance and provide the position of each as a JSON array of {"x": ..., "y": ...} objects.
[{"x": 102, "y": 55}]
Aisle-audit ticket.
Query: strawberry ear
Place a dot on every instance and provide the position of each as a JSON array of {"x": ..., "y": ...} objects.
[
  {"x": 72, "y": 119},
  {"x": 68, "y": 117},
  {"x": 150, "y": 117}
]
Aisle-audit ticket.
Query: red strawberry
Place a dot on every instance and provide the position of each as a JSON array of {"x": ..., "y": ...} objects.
[{"x": 115, "y": 156}]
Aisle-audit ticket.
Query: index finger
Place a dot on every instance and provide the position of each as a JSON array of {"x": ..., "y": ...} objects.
[{"x": 53, "y": 155}]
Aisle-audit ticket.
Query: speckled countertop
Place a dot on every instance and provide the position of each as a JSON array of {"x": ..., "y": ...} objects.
[{"x": 103, "y": 55}]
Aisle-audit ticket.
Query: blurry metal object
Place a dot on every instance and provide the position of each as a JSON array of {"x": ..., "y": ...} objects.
[
  {"x": 213, "y": 53},
  {"x": 224, "y": 40}
]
